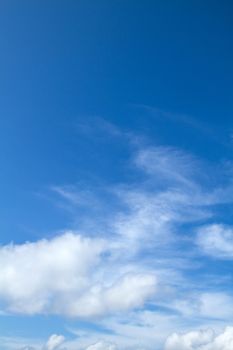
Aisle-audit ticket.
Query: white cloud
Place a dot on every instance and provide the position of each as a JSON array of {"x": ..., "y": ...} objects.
[
  {"x": 201, "y": 340},
  {"x": 171, "y": 194},
  {"x": 35, "y": 277},
  {"x": 102, "y": 346},
  {"x": 170, "y": 164},
  {"x": 139, "y": 329},
  {"x": 151, "y": 209},
  {"x": 128, "y": 292},
  {"x": 64, "y": 276},
  {"x": 216, "y": 240},
  {"x": 54, "y": 342},
  {"x": 89, "y": 277},
  {"x": 153, "y": 215},
  {"x": 215, "y": 305}
]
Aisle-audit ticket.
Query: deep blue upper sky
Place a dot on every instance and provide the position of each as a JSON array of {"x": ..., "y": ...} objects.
[
  {"x": 159, "y": 70},
  {"x": 62, "y": 62}
]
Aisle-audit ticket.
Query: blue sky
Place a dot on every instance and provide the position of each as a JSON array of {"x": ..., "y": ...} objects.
[{"x": 116, "y": 140}]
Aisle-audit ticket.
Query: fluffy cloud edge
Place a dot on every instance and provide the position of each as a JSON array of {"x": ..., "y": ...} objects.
[{"x": 201, "y": 340}]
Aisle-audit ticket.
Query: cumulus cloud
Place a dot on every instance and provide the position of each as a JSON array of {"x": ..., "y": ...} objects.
[
  {"x": 201, "y": 340},
  {"x": 63, "y": 276},
  {"x": 35, "y": 276},
  {"x": 128, "y": 292}
]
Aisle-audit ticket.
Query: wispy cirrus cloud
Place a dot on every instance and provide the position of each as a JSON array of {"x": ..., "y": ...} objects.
[
  {"x": 216, "y": 240},
  {"x": 54, "y": 342},
  {"x": 206, "y": 305},
  {"x": 210, "y": 131},
  {"x": 125, "y": 265}
]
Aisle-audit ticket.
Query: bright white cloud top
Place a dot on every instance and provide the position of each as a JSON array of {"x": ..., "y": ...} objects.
[{"x": 63, "y": 276}]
